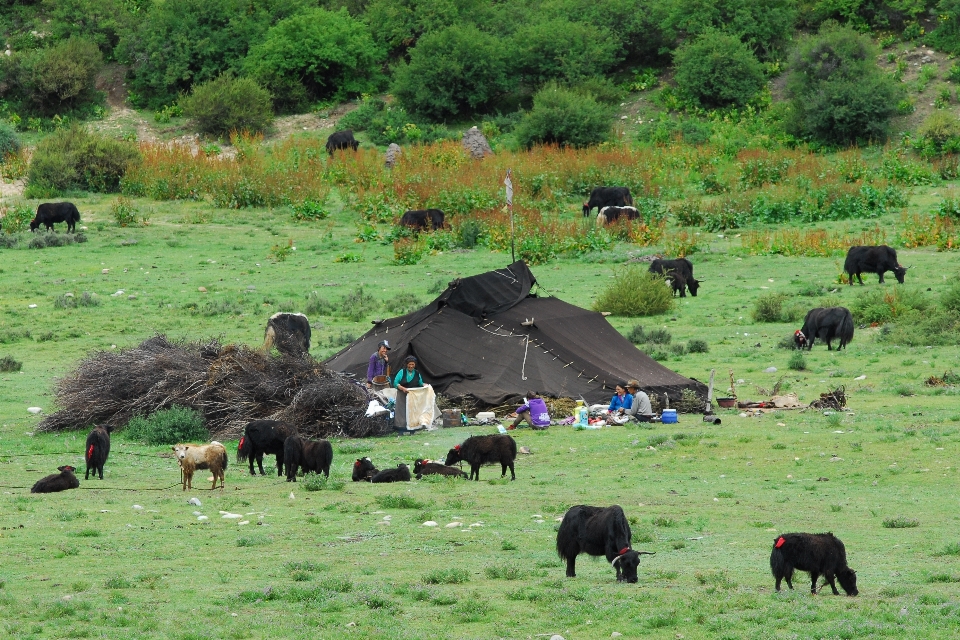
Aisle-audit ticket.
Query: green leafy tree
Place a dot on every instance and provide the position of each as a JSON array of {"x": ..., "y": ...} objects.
[
  {"x": 865, "y": 15},
  {"x": 838, "y": 93},
  {"x": 946, "y": 36},
  {"x": 457, "y": 70},
  {"x": 717, "y": 70},
  {"x": 560, "y": 49},
  {"x": 101, "y": 21},
  {"x": 59, "y": 78},
  {"x": 765, "y": 25},
  {"x": 565, "y": 117},
  {"x": 397, "y": 25},
  {"x": 316, "y": 54},
  {"x": 228, "y": 104},
  {"x": 189, "y": 41}
]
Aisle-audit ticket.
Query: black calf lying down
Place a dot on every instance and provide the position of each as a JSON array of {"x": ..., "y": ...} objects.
[
  {"x": 819, "y": 553},
  {"x": 427, "y": 468},
  {"x": 363, "y": 469},
  {"x": 400, "y": 474},
  {"x": 57, "y": 482}
]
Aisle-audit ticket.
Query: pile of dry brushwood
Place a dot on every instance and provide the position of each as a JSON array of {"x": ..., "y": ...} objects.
[
  {"x": 835, "y": 400},
  {"x": 230, "y": 385}
]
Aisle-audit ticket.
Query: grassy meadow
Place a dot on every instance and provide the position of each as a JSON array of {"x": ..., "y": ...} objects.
[{"x": 128, "y": 558}]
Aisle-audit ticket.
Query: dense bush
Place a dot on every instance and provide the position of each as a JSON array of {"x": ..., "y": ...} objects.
[
  {"x": 565, "y": 117},
  {"x": 16, "y": 218},
  {"x": 765, "y": 25},
  {"x": 385, "y": 124},
  {"x": 168, "y": 426},
  {"x": 228, "y": 104},
  {"x": 771, "y": 307},
  {"x": 77, "y": 159},
  {"x": 561, "y": 49},
  {"x": 9, "y": 142},
  {"x": 60, "y": 78},
  {"x": 839, "y": 94},
  {"x": 9, "y": 365},
  {"x": 797, "y": 362},
  {"x": 885, "y": 304},
  {"x": 936, "y": 327},
  {"x": 454, "y": 71},
  {"x": 101, "y": 21},
  {"x": 950, "y": 299},
  {"x": 717, "y": 70},
  {"x": 635, "y": 291},
  {"x": 939, "y": 134},
  {"x": 316, "y": 55},
  {"x": 178, "y": 44}
]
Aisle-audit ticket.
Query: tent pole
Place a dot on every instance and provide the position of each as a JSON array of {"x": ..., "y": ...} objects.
[{"x": 508, "y": 182}]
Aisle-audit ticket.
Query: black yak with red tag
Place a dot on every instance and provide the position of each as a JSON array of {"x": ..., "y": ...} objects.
[
  {"x": 821, "y": 554},
  {"x": 598, "y": 531}
]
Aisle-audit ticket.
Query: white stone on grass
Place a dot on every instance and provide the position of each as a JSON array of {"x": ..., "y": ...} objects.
[
  {"x": 429, "y": 523},
  {"x": 34, "y": 410}
]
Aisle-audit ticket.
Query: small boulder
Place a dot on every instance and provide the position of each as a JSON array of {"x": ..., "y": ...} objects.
[
  {"x": 393, "y": 154},
  {"x": 476, "y": 144}
]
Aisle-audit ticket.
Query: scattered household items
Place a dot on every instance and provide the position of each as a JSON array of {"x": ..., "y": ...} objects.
[
  {"x": 786, "y": 401},
  {"x": 727, "y": 403},
  {"x": 472, "y": 344},
  {"x": 451, "y": 417},
  {"x": 229, "y": 384},
  {"x": 486, "y": 417},
  {"x": 669, "y": 416},
  {"x": 835, "y": 399},
  {"x": 712, "y": 419}
]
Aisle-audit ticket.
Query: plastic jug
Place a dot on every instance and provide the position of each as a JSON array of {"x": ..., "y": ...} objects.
[{"x": 583, "y": 415}]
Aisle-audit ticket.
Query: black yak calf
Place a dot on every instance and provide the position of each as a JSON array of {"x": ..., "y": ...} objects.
[
  {"x": 57, "y": 482},
  {"x": 427, "y": 468},
  {"x": 598, "y": 531},
  {"x": 481, "y": 450},
  {"x": 363, "y": 469},
  {"x": 400, "y": 474},
  {"x": 307, "y": 455},
  {"x": 264, "y": 436},
  {"x": 97, "y": 450},
  {"x": 818, "y": 553}
]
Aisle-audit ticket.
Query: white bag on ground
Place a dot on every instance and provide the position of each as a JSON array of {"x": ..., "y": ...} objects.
[{"x": 416, "y": 408}]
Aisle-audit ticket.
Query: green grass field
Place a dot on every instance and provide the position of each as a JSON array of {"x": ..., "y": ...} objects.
[{"x": 353, "y": 560}]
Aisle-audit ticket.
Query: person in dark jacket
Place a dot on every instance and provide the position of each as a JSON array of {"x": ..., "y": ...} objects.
[{"x": 378, "y": 366}]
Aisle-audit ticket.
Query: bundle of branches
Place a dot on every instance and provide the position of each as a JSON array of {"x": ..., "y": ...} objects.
[
  {"x": 835, "y": 399},
  {"x": 230, "y": 385}
]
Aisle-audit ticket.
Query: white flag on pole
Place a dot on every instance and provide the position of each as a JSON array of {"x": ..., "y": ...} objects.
[{"x": 509, "y": 183}]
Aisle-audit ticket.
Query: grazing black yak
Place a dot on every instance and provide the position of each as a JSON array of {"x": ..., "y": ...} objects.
[
  {"x": 51, "y": 212},
  {"x": 96, "y": 450},
  {"x": 819, "y": 553},
  {"x": 308, "y": 455},
  {"x": 264, "y": 436},
  {"x": 602, "y": 197},
  {"x": 341, "y": 141},
  {"x": 873, "y": 259},
  {"x": 598, "y": 531},
  {"x": 827, "y": 324},
  {"x": 481, "y": 450}
]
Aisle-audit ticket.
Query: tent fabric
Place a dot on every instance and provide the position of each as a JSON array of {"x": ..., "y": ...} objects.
[{"x": 488, "y": 338}]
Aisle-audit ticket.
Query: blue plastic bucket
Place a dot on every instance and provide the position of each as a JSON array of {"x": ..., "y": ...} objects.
[{"x": 669, "y": 416}]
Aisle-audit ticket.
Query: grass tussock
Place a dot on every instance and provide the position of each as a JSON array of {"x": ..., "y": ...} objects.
[
  {"x": 635, "y": 292},
  {"x": 900, "y": 522}
]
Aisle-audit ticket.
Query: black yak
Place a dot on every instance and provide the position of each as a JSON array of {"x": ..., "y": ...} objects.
[
  {"x": 481, "y": 450},
  {"x": 289, "y": 333},
  {"x": 424, "y": 219},
  {"x": 602, "y": 197},
  {"x": 51, "y": 212},
  {"x": 363, "y": 469},
  {"x": 96, "y": 450},
  {"x": 873, "y": 259},
  {"x": 264, "y": 436},
  {"x": 341, "y": 141},
  {"x": 57, "y": 482},
  {"x": 679, "y": 266},
  {"x": 426, "y": 468},
  {"x": 598, "y": 531},
  {"x": 826, "y": 324},
  {"x": 307, "y": 455},
  {"x": 400, "y": 474},
  {"x": 819, "y": 554}
]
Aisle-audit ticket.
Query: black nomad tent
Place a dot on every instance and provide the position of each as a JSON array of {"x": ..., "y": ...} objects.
[{"x": 487, "y": 337}]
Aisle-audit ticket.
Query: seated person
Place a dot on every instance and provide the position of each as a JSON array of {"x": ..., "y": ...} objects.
[
  {"x": 621, "y": 399},
  {"x": 534, "y": 413},
  {"x": 640, "y": 409}
]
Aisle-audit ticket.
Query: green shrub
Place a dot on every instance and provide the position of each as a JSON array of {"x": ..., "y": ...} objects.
[
  {"x": 316, "y": 55},
  {"x": 939, "y": 134},
  {"x": 59, "y": 78},
  {"x": 228, "y": 104},
  {"x": 74, "y": 158},
  {"x": 565, "y": 117},
  {"x": 453, "y": 71},
  {"x": 316, "y": 482},
  {"x": 446, "y": 576},
  {"x": 900, "y": 522},
  {"x": 309, "y": 210},
  {"x": 45, "y": 239},
  {"x": 9, "y": 365},
  {"x": 950, "y": 299},
  {"x": 560, "y": 49},
  {"x": 17, "y": 218},
  {"x": 124, "y": 212},
  {"x": 883, "y": 304},
  {"x": 355, "y": 306},
  {"x": 169, "y": 426},
  {"x": 934, "y": 327},
  {"x": 698, "y": 346},
  {"x": 717, "y": 70},
  {"x": 769, "y": 308},
  {"x": 797, "y": 362},
  {"x": 402, "y": 303},
  {"x": 9, "y": 142},
  {"x": 839, "y": 94},
  {"x": 635, "y": 291}
]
